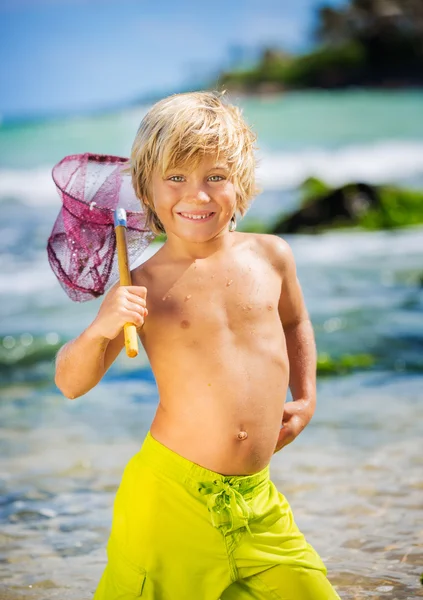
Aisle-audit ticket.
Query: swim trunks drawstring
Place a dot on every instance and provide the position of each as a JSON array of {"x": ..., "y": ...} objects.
[{"x": 225, "y": 498}]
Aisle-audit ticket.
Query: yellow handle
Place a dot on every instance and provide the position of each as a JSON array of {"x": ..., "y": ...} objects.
[{"x": 129, "y": 329}]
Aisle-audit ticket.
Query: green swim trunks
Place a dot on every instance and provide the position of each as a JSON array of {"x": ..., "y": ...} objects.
[{"x": 182, "y": 532}]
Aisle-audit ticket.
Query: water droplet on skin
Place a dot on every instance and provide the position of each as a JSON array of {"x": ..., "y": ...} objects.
[
  {"x": 166, "y": 297},
  {"x": 187, "y": 297},
  {"x": 269, "y": 307},
  {"x": 242, "y": 435},
  {"x": 230, "y": 282}
]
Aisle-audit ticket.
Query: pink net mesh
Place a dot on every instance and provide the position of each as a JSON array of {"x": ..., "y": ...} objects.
[{"x": 82, "y": 246}]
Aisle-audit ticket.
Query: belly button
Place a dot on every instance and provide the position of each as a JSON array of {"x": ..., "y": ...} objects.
[{"x": 242, "y": 435}]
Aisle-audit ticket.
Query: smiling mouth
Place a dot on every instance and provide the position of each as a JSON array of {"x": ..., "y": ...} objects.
[{"x": 197, "y": 216}]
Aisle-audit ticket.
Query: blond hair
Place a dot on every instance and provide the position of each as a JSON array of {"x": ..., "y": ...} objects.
[{"x": 179, "y": 131}]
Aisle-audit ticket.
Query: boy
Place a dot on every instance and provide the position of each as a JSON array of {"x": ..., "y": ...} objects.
[{"x": 223, "y": 322}]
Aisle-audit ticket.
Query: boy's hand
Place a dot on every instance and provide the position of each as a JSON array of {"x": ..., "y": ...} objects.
[
  {"x": 296, "y": 416},
  {"x": 122, "y": 304}
]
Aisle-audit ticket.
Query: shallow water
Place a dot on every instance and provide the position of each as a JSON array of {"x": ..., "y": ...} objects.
[{"x": 353, "y": 478}]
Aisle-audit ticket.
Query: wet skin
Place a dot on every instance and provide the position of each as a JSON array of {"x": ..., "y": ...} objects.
[
  {"x": 217, "y": 348},
  {"x": 218, "y": 304}
]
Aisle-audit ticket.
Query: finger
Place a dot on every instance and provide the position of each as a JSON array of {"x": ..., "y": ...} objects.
[
  {"x": 138, "y": 290},
  {"x": 135, "y": 312},
  {"x": 286, "y": 436},
  {"x": 134, "y": 302},
  {"x": 135, "y": 318},
  {"x": 131, "y": 309}
]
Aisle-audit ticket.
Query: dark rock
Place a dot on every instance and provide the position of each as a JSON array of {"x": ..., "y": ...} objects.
[{"x": 342, "y": 206}]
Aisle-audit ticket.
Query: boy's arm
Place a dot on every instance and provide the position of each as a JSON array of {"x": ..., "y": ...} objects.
[
  {"x": 301, "y": 350},
  {"x": 81, "y": 363}
]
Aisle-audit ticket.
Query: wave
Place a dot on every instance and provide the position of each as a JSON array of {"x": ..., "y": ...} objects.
[
  {"x": 30, "y": 186},
  {"x": 352, "y": 249},
  {"x": 381, "y": 251},
  {"x": 28, "y": 358},
  {"x": 386, "y": 162},
  {"x": 36, "y": 277},
  {"x": 390, "y": 161}
]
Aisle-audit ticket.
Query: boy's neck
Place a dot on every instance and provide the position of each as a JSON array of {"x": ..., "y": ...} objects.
[{"x": 181, "y": 249}]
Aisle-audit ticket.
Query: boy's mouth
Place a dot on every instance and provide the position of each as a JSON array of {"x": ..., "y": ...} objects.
[{"x": 197, "y": 216}]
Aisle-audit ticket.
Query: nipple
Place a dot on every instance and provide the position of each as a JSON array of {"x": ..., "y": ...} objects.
[{"x": 242, "y": 435}]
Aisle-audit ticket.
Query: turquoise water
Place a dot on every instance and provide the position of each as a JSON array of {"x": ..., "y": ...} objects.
[
  {"x": 334, "y": 119},
  {"x": 292, "y": 121},
  {"x": 353, "y": 477}
]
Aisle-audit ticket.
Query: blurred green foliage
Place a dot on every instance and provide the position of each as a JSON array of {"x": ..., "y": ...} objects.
[
  {"x": 252, "y": 225},
  {"x": 363, "y": 42},
  {"x": 398, "y": 208}
]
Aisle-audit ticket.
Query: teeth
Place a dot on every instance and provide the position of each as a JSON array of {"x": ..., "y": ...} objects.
[{"x": 196, "y": 217}]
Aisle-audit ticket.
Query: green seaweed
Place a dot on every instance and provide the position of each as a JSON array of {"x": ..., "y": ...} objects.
[
  {"x": 253, "y": 226},
  {"x": 346, "y": 363},
  {"x": 24, "y": 356},
  {"x": 311, "y": 189},
  {"x": 398, "y": 207}
]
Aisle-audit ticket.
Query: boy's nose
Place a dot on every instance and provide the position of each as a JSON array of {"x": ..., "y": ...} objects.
[{"x": 200, "y": 196}]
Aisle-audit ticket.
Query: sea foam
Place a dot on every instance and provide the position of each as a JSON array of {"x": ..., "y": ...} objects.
[{"x": 384, "y": 162}]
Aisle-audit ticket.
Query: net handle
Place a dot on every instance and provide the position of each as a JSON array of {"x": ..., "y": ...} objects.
[{"x": 129, "y": 329}]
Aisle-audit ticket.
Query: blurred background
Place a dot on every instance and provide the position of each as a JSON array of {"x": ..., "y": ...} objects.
[{"x": 335, "y": 96}]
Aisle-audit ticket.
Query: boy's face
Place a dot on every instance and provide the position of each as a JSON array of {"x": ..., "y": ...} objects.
[{"x": 195, "y": 205}]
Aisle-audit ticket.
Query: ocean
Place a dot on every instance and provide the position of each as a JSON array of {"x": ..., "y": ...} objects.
[{"x": 353, "y": 477}]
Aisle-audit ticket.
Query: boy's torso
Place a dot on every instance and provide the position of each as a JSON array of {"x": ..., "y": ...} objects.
[{"x": 217, "y": 349}]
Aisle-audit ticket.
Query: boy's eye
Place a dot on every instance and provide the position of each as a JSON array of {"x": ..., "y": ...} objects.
[
  {"x": 177, "y": 178},
  {"x": 216, "y": 178}
]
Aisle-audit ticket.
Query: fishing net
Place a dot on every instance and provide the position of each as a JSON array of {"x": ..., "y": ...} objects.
[{"x": 82, "y": 245}]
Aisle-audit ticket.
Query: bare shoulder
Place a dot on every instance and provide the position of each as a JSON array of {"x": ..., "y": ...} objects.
[
  {"x": 143, "y": 274},
  {"x": 273, "y": 249}
]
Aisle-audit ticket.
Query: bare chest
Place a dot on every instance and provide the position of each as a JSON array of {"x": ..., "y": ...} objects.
[{"x": 212, "y": 299}]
